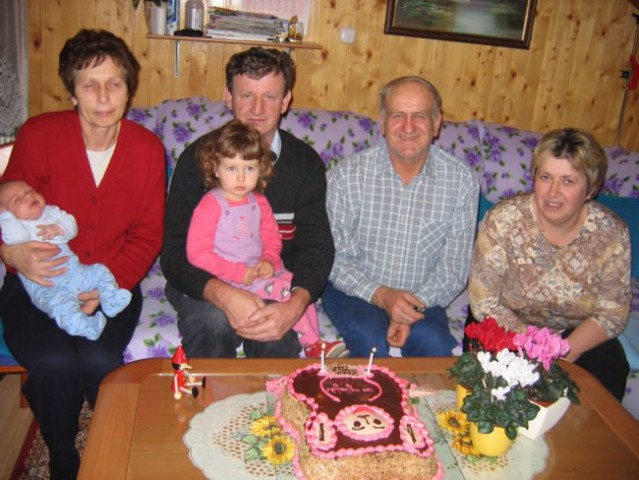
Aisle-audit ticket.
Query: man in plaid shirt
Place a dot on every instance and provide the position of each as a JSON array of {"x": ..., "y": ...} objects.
[{"x": 403, "y": 217}]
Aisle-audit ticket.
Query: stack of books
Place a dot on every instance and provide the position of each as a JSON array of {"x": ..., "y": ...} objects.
[{"x": 235, "y": 24}]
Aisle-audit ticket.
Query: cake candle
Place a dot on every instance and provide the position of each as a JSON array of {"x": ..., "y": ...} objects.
[
  {"x": 370, "y": 361},
  {"x": 322, "y": 357}
]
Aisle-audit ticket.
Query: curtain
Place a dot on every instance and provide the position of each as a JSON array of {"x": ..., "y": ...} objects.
[{"x": 14, "y": 67}]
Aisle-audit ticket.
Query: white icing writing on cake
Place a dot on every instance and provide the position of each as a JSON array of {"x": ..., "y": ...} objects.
[{"x": 334, "y": 390}]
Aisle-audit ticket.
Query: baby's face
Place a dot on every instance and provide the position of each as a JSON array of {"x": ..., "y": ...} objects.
[{"x": 21, "y": 200}]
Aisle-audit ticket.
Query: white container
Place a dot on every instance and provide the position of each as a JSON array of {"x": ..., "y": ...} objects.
[
  {"x": 545, "y": 419},
  {"x": 156, "y": 18},
  {"x": 194, "y": 15}
]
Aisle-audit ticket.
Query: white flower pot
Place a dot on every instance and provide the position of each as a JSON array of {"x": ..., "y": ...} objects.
[{"x": 545, "y": 419}]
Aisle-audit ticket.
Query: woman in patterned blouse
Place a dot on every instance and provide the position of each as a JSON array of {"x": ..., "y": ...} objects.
[{"x": 557, "y": 258}]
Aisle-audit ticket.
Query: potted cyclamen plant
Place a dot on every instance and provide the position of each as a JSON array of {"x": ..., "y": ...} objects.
[{"x": 507, "y": 376}]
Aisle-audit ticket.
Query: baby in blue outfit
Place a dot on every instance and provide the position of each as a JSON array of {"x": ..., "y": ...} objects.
[{"x": 24, "y": 216}]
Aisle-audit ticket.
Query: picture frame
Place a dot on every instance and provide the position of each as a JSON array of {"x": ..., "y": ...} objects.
[{"x": 504, "y": 23}]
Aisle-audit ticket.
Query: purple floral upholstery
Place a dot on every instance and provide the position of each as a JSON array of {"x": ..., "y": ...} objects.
[{"x": 500, "y": 155}]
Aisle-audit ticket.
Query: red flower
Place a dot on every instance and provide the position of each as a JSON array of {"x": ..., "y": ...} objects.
[{"x": 490, "y": 336}]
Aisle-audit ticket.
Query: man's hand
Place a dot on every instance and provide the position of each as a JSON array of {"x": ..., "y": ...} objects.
[
  {"x": 401, "y": 306},
  {"x": 274, "y": 320},
  {"x": 397, "y": 334},
  {"x": 236, "y": 303},
  {"x": 89, "y": 301},
  {"x": 35, "y": 261}
]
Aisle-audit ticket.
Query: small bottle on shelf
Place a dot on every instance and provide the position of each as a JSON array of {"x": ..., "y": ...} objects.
[{"x": 194, "y": 15}]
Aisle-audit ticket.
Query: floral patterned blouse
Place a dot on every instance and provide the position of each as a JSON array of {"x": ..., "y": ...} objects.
[{"x": 518, "y": 277}]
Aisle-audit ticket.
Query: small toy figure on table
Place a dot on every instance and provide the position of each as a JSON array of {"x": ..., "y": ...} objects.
[{"x": 183, "y": 380}]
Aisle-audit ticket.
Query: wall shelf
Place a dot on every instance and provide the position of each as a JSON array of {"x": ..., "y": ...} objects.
[
  {"x": 237, "y": 41},
  {"x": 230, "y": 41}
]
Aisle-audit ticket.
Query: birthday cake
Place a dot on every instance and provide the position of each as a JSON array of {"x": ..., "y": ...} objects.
[{"x": 353, "y": 422}]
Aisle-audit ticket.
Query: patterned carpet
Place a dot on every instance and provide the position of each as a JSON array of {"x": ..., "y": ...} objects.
[{"x": 33, "y": 460}]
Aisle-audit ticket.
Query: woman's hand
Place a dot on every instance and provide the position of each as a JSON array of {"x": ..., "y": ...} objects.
[
  {"x": 35, "y": 261},
  {"x": 583, "y": 338}
]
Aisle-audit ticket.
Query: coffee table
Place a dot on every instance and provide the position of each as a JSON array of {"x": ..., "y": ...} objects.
[{"x": 138, "y": 427}]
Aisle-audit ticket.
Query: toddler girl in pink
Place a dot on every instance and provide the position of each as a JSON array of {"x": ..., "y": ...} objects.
[{"x": 233, "y": 233}]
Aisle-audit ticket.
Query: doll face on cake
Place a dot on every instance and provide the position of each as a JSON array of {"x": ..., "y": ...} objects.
[{"x": 364, "y": 422}]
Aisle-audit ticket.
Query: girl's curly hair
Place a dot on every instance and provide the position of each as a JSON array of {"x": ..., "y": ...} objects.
[{"x": 228, "y": 141}]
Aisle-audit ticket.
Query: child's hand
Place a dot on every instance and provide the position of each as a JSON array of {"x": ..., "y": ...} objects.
[
  {"x": 89, "y": 301},
  {"x": 264, "y": 269},
  {"x": 250, "y": 274},
  {"x": 397, "y": 334},
  {"x": 47, "y": 232}
]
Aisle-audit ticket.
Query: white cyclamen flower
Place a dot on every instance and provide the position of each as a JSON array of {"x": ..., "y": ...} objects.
[
  {"x": 520, "y": 371},
  {"x": 500, "y": 393},
  {"x": 509, "y": 366}
]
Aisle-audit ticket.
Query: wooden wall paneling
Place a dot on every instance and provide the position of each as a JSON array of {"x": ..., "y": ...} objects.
[
  {"x": 586, "y": 71},
  {"x": 496, "y": 86},
  {"x": 55, "y": 97},
  {"x": 591, "y": 71},
  {"x": 36, "y": 57},
  {"x": 159, "y": 72},
  {"x": 142, "y": 50},
  {"x": 449, "y": 78},
  {"x": 323, "y": 76},
  {"x": 187, "y": 62},
  {"x": 552, "y": 81},
  {"x": 215, "y": 77},
  {"x": 565, "y": 92},
  {"x": 72, "y": 17},
  {"x": 313, "y": 78},
  {"x": 543, "y": 45},
  {"x": 619, "y": 32},
  {"x": 569, "y": 76},
  {"x": 630, "y": 127},
  {"x": 340, "y": 54},
  {"x": 358, "y": 84},
  {"x": 364, "y": 74},
  {"x": 478, "y": 78}
]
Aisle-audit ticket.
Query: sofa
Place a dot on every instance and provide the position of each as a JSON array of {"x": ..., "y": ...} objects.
[{"x": 499, "y": 154}]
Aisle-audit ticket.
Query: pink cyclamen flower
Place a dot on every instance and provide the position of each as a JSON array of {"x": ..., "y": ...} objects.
[{"x": 542, "y": 345}]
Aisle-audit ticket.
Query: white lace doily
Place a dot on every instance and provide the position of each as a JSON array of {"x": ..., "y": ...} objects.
[
  {"x": 522, "y": 461},
  {"x": 219, "y": 437}
]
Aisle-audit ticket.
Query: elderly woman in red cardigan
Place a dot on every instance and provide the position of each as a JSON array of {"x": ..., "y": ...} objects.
[{"x": 110, "y": 174}]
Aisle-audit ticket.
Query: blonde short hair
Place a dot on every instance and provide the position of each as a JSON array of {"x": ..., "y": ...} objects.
[{"x": 578, "y": 147}]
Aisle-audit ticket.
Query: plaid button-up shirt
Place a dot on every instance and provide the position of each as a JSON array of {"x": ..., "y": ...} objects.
[{"x": 415, "y": 237}]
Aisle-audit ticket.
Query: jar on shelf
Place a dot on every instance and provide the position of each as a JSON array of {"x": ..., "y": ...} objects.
[{"x": 194, "y": 15}]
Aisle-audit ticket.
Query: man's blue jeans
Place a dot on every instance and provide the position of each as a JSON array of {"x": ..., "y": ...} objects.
[{"x": 364, "y": 326}]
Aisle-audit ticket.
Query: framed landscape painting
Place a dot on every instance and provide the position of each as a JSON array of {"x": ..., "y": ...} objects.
[{"x": 505, "y": 23}]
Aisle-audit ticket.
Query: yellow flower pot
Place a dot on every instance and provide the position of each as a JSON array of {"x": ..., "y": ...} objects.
[
  {"x": 461, "y": 393},
  {"x": 491, "y": 444}
]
